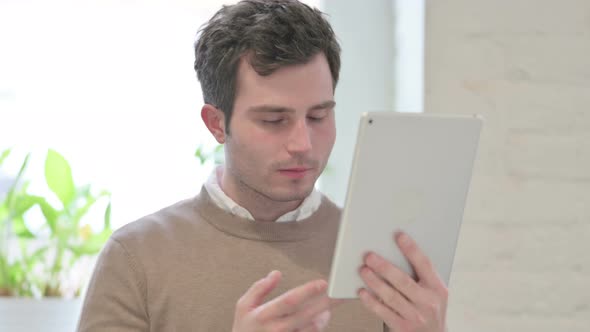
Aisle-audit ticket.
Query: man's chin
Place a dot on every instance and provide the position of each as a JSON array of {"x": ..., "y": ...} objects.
[{"x": 290, "y": 196}]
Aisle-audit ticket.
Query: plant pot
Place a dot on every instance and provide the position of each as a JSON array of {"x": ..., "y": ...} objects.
[{"x": 48, "y": 315}]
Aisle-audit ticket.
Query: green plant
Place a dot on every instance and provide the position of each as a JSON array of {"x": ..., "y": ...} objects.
[
  {"x": 216, "y": 154},
  {"x": 46, "y": 253}
]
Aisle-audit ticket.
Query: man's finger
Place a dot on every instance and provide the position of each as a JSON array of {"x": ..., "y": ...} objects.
[
  {"x": 419, "y": 261},
  {"x": 388, "y": 294},
  {"x": 288, "y": 302},
  {"x": 319, "y": 323},
  {"x": 256, "y": 294},
  {"x": 390, "y": 317},
  {"x": 394, "y": 276},
  {"x": 308, "y": 311}
]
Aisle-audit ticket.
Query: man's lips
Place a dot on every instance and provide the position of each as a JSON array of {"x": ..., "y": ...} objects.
[
  {"x": 296, "y": 172},
  {"x": 295, "y": 169}
]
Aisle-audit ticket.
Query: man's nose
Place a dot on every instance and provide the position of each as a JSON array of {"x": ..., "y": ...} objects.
[{"x": 299, "y": 139}]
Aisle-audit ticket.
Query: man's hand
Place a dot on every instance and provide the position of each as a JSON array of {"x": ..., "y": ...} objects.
[
  {"x": 305, "y": 308},
  {"x": 404, "y": 304}
]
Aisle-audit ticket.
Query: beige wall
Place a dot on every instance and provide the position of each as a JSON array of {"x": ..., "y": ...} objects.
[{"x": 523, "y": 260}]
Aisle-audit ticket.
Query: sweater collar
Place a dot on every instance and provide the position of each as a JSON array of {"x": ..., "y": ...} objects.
[{"x": 266, "y": 231}]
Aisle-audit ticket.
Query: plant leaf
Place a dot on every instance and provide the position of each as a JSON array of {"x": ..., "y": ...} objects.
[
  {"x": 25, "y": 201},
  {"x": 219, "y": 154},
  {"x": 4, "y": 282},
  {"x": 21, "y": 171},
  {"x": 3, "y": 214},
  {"x": 90, "y": 201},
  {"x": 4, "y": 155},
  {"x": 58, "y": 176},
  {"x": 92, "y": 245},
  {"x": 200, "y": 154},
  {"x": 37, "y": 256},
  {"x": 15, "y": 186},
  {"x": 50, "y": 214},
  {"x": 107, "y": 217},
  {"x": 20, "y": 228}
]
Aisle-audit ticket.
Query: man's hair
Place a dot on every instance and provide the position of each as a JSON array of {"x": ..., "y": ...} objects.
[{"x": 269, "y": 34}]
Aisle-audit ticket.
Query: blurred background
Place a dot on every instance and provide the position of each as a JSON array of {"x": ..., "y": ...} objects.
[
  {"x": 523, "y": 262},
  {"x": 110, "y": 85}
]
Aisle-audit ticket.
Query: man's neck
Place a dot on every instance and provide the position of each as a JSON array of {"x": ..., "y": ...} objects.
[{"x": 260, "y": 207}]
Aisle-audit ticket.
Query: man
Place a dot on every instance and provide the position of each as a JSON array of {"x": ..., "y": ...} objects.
[{"x": 268, "y": 70}]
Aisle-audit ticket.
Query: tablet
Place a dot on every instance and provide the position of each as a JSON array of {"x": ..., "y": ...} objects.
[{"x": 410, "y": 172}]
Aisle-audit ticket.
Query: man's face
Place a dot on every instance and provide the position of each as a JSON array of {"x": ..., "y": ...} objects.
[{"x": 282, "y": 129}]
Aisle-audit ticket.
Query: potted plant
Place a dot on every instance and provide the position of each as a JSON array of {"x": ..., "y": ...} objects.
[{"x": 40, "y": 254}]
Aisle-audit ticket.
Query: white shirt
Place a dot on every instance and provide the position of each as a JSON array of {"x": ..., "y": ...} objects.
[{"x": 309, "y": 205}]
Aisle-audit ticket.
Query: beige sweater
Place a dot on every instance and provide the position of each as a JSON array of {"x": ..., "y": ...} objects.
[{"x": 184, "y": 267}]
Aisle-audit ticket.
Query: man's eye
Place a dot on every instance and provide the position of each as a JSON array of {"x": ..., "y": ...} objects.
[
  {"x": 315, "y": 118},
  {"x": 276, "y": 121}
]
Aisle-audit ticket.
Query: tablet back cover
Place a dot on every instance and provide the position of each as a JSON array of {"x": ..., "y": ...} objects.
[{"x": 411, "y": 172}]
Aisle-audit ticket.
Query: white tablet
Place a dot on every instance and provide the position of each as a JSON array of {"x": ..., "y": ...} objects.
[{"x": 410, "y": 172}]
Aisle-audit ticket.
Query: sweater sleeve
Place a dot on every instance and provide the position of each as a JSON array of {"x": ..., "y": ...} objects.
[{"x": 116, "y": 295}]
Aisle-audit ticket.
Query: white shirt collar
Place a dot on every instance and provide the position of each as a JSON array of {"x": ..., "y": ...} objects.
[{"x": 309, "y": 205}]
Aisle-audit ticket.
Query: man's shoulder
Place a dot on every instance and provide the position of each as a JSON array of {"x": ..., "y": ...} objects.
[
  {"x": 167, "y": 223},
  {"x": 330, "y": 204},
  {"x": 332, "y": 210}
]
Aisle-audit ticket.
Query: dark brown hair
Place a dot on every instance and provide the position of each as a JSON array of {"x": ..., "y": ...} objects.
[{"x": 269, "y": 34}]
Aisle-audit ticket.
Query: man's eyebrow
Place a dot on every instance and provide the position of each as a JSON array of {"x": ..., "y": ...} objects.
[
  {"x": 281, "y": 109},
  {"x": 270, "y": 108},
  {"x": 325, "y": 105}
]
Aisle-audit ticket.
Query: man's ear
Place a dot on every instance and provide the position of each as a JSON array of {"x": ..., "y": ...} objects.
[{"x": 214, "y": 119}]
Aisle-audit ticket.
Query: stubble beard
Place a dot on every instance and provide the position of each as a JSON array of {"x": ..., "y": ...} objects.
[{"x": 264, "y": 191}]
